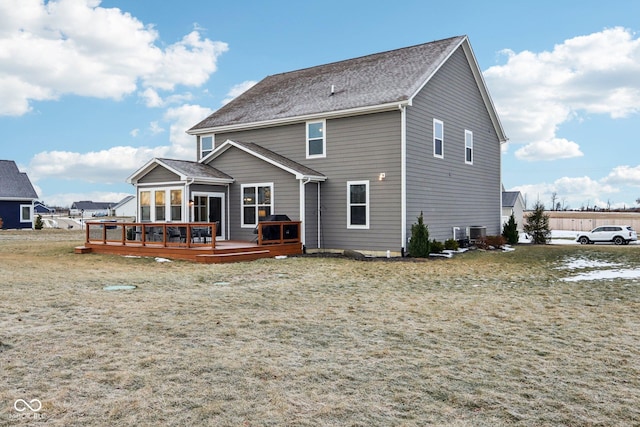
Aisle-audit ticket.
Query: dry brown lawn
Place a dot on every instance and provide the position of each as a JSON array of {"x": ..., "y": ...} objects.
[{"x": 483, "y": 339}]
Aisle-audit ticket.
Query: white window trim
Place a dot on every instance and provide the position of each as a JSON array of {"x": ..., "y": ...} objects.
[
  {"x": 26, "y": 220},
  {"x": 368, "y": 203},
  {"x": 435, "y": 122},
  {"x": 167, "y": 206},
  {"x": 324, "y": 139},
  {"x": 468, "y": 137},
  {"x": 213, "y": 145},
  {"x": 272, "y": 204}
]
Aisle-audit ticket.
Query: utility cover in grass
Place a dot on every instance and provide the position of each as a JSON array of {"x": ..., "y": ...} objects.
[{"x": 119, "y": 287}]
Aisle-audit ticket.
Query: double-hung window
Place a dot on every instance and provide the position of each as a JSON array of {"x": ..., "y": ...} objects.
[
  {"x": 26, "y": 213},
  {"x": 358, "y": 204},
  {"x": 257, "y": 203},
  {"x": 438, "y": 138},
  {"x": 468, "y": 147},
  {"x": 316, "y": 139},
  {"x": 206, "y": 145}
]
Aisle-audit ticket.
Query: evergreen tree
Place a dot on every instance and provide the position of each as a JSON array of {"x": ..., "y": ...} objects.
[
  {"x": 510, "y": 230},
  {"x": 38, "y": 224},
  {"x": 538, "y": 224},
  {"x": 419, "y": 242}
]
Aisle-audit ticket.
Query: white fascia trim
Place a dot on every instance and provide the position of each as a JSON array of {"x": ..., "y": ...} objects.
[{"x": 303, "y": 118}]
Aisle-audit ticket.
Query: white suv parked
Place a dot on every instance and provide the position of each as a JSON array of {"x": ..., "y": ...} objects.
[{"x": 618, "y": 234}]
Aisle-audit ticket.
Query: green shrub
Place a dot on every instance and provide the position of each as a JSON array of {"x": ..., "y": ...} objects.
[
  {"x": 38, "y": 224},
  {"x": 436, "y": 247},
  {"x": 451, "y": 245},
  {"x": 538, "y": 225},
  {"x": 419, "y": 242},
  {"x": 510, "y": 231}
]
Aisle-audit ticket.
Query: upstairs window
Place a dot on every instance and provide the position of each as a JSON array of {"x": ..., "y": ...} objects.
[
  {"x": 358, "y": 204},
  {"x": 468, "y": 147},
  {"x": 206, "y": 145},
  {"x": 316, "y": 139},
  {"x": 438, "y": 138}
]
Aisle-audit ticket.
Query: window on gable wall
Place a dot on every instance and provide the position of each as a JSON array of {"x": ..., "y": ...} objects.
[
  {"x": 206, "y": 145},
  {"x": 438, "y": 138},
  {"x": 316, "y": 139},
  {"x": 468, "y": 147}
]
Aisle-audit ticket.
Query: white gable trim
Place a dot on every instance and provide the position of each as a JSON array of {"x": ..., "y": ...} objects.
[{"x": 229, "y": 143}]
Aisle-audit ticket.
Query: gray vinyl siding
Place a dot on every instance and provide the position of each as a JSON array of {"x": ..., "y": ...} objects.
[
  {"x": 159, "y": 174},
  {"x": 357, "y": 148},
  {"x": 449, "y": 192},
  {"x": 247, "y": 169}
]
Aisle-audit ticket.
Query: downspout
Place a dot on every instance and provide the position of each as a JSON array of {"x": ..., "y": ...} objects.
[
  {"x": 303, "y": 233},
  {"x": 403, "y": 176}
]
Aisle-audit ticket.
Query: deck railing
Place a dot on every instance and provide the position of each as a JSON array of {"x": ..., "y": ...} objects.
[
  {"x": 186, "y": 235},
  {"x": 182, "y": 235}
]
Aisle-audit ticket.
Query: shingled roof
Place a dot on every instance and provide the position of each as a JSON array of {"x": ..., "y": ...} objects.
[
  {"x": 194, "y": 169},
  {"x": 186, "y": 169},
  {"x": 15, "y": 184},
  {"x": 368, "y": 81}
]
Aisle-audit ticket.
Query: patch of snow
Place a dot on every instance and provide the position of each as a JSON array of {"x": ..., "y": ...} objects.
[
  {"x": 631, "y": 273},
  {"x": 442, "y": 254},
  {"x": 158, "y": 259},
  {"x": 575, "y": 263}
]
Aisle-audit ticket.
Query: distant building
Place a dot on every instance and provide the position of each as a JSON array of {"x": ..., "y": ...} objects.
[
  {"x": 17, "y": 196},
  {"x": 40, "y": 208},
  {"x": 87, "y": 208},
  {"x": 513, "y": 203},
  {"x": 126, "y": 207}
]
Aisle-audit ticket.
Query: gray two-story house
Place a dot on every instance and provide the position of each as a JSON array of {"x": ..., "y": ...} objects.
[{"x": 355, "y": 149}]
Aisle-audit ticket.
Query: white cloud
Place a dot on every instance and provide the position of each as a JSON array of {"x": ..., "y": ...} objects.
[
  {"x": 182, "y": 119},
  {"x": 135, "y": 132},
  {"x": 571, "y": 192},
  {"x": 155, "y": 128},
  {"x": 62, "y": 47},
  {"x": 535, "y": 93},
  {"x": 238, "y": 89},
  {"x": 114, "y": 165},
  {"x": 556, "y": 148},
  {"x": 105, "y": 166},
  {"x": 624, "y": 175}
]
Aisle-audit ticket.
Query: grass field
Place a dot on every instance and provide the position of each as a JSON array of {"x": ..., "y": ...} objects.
[{"x": 483, "y": 339}]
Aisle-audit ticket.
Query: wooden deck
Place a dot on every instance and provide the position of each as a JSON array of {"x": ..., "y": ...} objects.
[{"x": 190, "y": 241}]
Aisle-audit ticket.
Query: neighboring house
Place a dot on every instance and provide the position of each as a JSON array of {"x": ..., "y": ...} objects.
[
  {"x": 126, "y": 207},
  {"x": 513, "y": 203},
  {"x": 17, "y": 197},
  {"x": 87, "y": 208},
  {"x": 40, "y": 208},
  {"x": 356, "y": 150}
]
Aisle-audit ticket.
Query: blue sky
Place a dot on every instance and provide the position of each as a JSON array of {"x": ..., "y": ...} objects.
[{"x": 91, "y": 90}]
